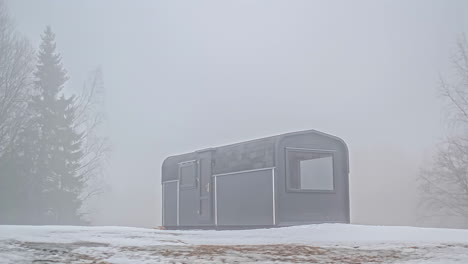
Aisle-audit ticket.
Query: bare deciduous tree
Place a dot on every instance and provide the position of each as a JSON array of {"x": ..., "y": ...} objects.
[
  {"x": 444, "y": 183},
  {"x": 16, "y": 66},
  {"x": 89, "y": 120}
]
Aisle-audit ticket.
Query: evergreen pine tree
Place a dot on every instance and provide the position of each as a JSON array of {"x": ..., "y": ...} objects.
[
  {"x": 57, "y": 163},
  {"x": 24, "y": 192}
]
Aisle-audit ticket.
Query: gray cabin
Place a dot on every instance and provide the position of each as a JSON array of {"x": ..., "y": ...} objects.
[{"x": 290, "y": 179}]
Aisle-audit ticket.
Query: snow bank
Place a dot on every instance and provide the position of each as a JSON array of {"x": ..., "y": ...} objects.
[
  {"x": 307, "y": 234},
  {"x": 325, "y": 243}
]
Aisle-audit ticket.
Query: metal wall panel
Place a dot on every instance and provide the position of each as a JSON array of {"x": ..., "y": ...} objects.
[
  {"x": 170, "y": 203},
  {"x": 189, "y": 205},
  {"x": 245, "y": 198}
]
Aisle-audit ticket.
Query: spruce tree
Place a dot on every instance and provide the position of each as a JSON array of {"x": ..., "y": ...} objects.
[
  {"x": 57, "y": 162},
  {"x": 23, "y": 190}
]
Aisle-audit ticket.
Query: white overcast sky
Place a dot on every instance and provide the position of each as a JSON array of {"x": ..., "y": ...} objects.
[{"x": 186, "y": 75}]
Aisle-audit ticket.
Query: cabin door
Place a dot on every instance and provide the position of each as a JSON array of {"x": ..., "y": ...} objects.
[
  {"x": 205, "y": 207},
  {"x": 188, "y": 193}
]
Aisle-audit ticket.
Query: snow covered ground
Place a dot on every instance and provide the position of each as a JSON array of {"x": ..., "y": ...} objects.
[{"x": 326, "y": 243}]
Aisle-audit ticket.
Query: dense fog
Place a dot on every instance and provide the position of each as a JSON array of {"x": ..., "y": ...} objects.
[{"x": 178, "y": 76}]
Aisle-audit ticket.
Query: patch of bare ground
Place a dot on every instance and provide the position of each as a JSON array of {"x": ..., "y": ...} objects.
[
  {"x": 63, "y": 252},
  {"x": 101, "y": 253},
  {"x": 280, "y": 253}
]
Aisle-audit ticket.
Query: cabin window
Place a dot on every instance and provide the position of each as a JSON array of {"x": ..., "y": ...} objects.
[
  {"x": 309, "y": 170},
  {"x": 188, "y": 174}
]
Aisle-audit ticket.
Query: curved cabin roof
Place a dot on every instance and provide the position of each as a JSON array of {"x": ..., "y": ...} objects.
[{"x": 256, "y": 153}]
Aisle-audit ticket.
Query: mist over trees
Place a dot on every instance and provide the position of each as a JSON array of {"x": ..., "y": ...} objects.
[
  {"x": 51, "y": 151},
  {"x": 53, "y": 146},
  {"x": 16, "y": 67},
  {"x": 444, "y": 183}
]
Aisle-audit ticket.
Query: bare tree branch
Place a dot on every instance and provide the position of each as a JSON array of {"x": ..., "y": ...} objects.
[
  {"x": 16, "y": 66},
  {"x": 444, "y": 183},
  {"x": 89, "y": 119}
]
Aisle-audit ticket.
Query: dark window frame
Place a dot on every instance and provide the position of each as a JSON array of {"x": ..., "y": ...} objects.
[
  {"x": 191, "y": 163},
  {"x": 289, "y": 188}
]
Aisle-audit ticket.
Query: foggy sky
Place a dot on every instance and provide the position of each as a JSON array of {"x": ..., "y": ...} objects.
[{"x": 186, "y": 75}]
